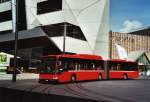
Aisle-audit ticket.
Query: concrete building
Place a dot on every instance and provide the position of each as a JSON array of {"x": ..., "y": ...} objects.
[{"x": 42, "y": 24}]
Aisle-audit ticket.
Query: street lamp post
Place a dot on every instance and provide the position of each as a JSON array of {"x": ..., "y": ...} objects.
[
  {"x": 64, "y": 38},
  {"x": 15, "y": 31}
]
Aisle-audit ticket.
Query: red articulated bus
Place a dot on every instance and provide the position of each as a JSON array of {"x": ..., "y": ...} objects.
[{"x": 81, "y": 67}]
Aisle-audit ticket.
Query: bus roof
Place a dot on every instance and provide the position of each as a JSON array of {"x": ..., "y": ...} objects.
[{"x": 79, "y": 56}]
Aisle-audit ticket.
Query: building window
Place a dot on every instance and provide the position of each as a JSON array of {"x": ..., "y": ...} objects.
[
  {"x": 2, "y": 1},
  {"x": 58, "y": 30},
  {"x": 5, "y": 16},
  {"x": 49, "y": 6}
]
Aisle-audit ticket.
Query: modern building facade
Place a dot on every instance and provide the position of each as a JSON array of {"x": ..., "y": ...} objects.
[{"x": 43, "y": 23}]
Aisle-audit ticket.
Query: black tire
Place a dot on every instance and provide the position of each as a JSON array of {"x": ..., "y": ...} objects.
[
  {"x": 125, "y": 76},
  {"x": 100, "y": 77},
  {"x": 73, "y": 78}
]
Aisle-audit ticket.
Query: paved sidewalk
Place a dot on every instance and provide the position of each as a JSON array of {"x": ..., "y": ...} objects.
[{"x": 19, "y": 76}]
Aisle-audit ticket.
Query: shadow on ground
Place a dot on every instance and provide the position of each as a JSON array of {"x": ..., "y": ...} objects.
[{"x": 12, "y": 95}]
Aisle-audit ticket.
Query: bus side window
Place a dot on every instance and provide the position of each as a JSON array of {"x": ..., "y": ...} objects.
[
  {"x": 118, "y": 67},
  {"x": 81, "y": 66},
  {"x": 113, "y": 67},
  {"x": 76, "y": 66},
  {"x": 91, "y": 66},
  {"x": 85, "y": 66},
  {"x": 69, "y": 66},
  {"x": 99, "y": 67}
]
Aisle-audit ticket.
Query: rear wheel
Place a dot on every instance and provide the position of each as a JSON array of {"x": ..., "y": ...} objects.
[
  {"x": 125, "y": 76},
  {"x": 100, "y": 77},
  {"x": 73, "y": 78}
]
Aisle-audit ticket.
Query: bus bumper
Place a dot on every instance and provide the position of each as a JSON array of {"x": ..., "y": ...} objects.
[{"x": 49, "y": 78}]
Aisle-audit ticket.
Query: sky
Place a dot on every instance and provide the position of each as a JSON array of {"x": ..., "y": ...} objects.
[{"x": 129, "y": 15}]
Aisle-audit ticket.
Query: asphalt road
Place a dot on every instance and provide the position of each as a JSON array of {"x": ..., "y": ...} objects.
[{"x": 110, "y": 90}]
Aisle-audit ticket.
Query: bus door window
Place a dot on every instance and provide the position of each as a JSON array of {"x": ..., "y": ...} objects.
[
  {"x": 71, "y": 66},
  {"x": 59, "y": 66},
  {"x": 64, "y": 66}
]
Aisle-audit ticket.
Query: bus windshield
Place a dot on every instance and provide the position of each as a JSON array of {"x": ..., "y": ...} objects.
[{"x": 48, "y": 65}]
